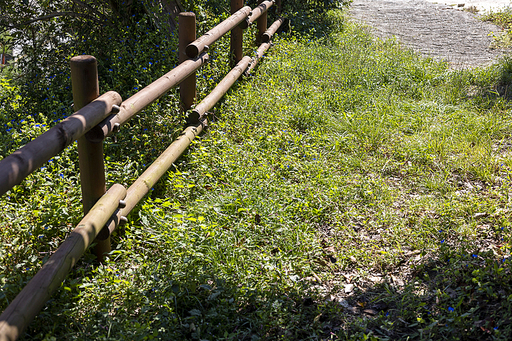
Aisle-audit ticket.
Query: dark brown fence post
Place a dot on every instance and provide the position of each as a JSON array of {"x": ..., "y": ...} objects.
[
  {"x": 186, "y": 35},
  {"x": 279, "y": 6},
  {"x": 84, "y": 79},
  {"x": 236, "y": 35},
  {"x": 261, "y": 24}
]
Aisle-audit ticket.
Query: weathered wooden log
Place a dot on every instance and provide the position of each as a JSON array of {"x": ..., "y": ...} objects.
[
  {"x": 17, "y": 166},
  {"x": 148, "y": 179},
  {"x": 209, "y": 101},
  {"x": 237, "y": 35},
  {"x": 259, "y": 54},
  {"x": 146, "y": 96},
  {"x": 32, "y": 298},
  {"x": 199, "y": 45},
  {"x": 257, "y": 12},
  {"x": 271, "y": 30},
  {"x": 261, "y": 24}
]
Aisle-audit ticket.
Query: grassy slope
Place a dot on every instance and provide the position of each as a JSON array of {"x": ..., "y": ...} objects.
[
  {"x": 503, "y": 19},
  {"x": 350, "y": 189}
]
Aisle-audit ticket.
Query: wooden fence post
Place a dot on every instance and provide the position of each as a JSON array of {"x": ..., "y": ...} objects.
[
  {"x": 186, "y": 35},
  {"x": 237, "y": 35},
  {"x": 261, "y": 25},
  {"x": 84, "y": 80}
]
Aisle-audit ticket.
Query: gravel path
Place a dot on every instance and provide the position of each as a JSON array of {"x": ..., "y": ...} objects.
[{"x": 434, "y": 30}]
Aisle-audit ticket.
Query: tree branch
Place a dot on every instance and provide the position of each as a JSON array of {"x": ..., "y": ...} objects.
[
  {"x": 80, "y": 3},
  {"x": 54, "y": 15}
]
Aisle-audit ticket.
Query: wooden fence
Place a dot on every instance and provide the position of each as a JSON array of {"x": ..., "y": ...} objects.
[{"x": 98, "y": 117}]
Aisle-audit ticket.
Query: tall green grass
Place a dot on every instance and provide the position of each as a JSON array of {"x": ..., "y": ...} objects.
[{"x": 349, "y": 189}]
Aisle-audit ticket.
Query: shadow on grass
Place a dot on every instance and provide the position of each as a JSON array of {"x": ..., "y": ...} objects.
[
  {"x": 458, "y": 297},
  {"x": 456, "y": 294}
]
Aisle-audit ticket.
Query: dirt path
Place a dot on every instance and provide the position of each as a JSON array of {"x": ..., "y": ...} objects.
[{"x": 435, "y": 30}]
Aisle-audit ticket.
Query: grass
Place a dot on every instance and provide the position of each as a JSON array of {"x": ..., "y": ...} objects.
[
  {"x": 503, "y": 19},
  {"x": 350, "y": 189}
]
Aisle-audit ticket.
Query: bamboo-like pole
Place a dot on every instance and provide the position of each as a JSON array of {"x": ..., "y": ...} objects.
[
  {"x": 146, "y": 96},
  {"x": 84, "y": 80},
  {"x": 257, "y": 12},
  {"x": 265, "y": 38},
  {"x": 209, "y": 101},
  {"x": 199, "y": 45},
  {"x": 17, "y": 166},
  {"x": 261, "y": 25},
  {"x": 148, "y": 179},
  {"x": 259, "y": 53},
  {"x": 186, "y": 35},
  {"x": 237, "y": 35},
  {"x": 38, "y": 291},
  {"x": 265, "y": 46},
  {"x": 32, "y": 298}
]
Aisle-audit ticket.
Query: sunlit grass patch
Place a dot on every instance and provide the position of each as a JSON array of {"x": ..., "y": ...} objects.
[{"x": 349, "y": 189}]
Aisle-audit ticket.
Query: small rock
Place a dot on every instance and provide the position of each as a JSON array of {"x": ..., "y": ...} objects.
[
  {"x": 375, "y": 279},
  {"x": 370, "y": 312},
  {"x": 353, "y": 310},
  {"x": 381, "y": 305},
  {"x": 349, "y": 288},
  {"x": 397, "y": 281},
  {"x": 451, "y": 292}
]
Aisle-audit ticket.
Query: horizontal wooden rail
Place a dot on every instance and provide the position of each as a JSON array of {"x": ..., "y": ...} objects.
[
  {"x": 271, "y": 30},
  {"x": 146, "y": 96},
  {"x": 199, "y": 45},
  {"x": 153, "y": 173},
  {"x": 148, "y": 179},
  {"x": 265, "y": 46},
  {"x": 32, "y": 298},
  {"x": 95, "y": 121},
  {"x": 209, "y": 101},
  {"x": 259, "y": 54},
  {"x": 257, "y": 12},
  {"x": 17, "y": 166}
]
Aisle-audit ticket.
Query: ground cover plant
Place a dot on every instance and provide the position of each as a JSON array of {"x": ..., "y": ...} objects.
[
  {"x": 348, "y": 189},
  {"x": 503, "y": 19}
]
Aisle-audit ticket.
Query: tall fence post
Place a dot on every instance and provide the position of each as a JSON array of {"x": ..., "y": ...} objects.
[
  {"x": 237, "y": 35},
  {"x": 84, "y": 80},
  {"x": 261, "y": 25},
  {"x": 186, "y": 35}
]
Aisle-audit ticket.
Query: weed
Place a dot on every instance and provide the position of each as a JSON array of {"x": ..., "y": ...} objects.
[{"x": 349, "y": 190}]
